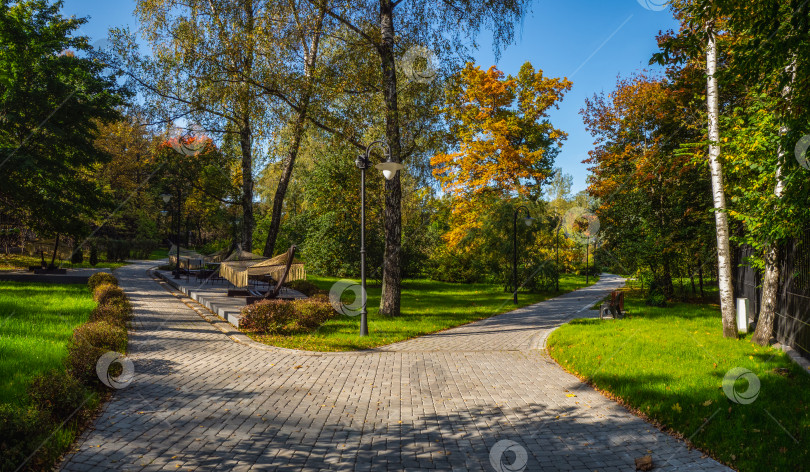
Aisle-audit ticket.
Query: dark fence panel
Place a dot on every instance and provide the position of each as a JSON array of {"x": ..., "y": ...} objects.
[{"x": 792, "y": 323}]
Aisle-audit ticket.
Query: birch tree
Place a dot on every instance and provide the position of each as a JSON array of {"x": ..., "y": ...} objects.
[{"x": 718, "y": 193}]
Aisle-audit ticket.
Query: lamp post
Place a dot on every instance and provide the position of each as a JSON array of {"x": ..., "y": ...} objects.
[
  {"x": 557, "y": 254},
  {"x": 587, "y": 248},
  {"x": 389, "y": 170},
  {"x": 166, "y": 198},
  {"x": 528, "y": 220}
]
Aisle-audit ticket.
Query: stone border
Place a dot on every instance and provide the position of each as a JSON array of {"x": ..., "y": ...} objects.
[
  {"x": 229, "y": 330},
  {"x": 227, "y": 313},
  {"x": 797, "y": 358}
]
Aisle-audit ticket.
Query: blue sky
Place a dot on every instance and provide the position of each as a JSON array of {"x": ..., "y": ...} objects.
[{"x": 589, "y": 41}]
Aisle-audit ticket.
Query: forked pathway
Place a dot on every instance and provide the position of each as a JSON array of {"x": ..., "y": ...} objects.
[{"x": 201, "y": 401}]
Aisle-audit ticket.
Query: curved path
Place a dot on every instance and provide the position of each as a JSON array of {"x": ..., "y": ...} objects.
[{"x": 200, "y": 400}]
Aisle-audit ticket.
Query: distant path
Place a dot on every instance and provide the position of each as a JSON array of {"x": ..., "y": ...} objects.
[{"x": 201, "y": 401}]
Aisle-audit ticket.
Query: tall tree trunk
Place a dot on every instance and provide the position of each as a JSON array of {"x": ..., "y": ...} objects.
[
  {"x": 770, "y": 281},
  {"x": 392, "y": 275},
  {"x": 248, "y": 222},
  {"x": 720, "y": 216},
  {"x": 298, "y": 133},
  {"x": 55, "y": 248}
]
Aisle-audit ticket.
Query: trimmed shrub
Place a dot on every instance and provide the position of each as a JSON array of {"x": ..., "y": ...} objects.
[
  {"x": 57, "y": 394},
  {"x": 116, "y": 314},
  {"x": 311, "y": 313},
  {"x": 93, "y": 255},
  {"x": 283, "y": 316},
  {"x": 77, "y": 257},
  {"x": 104, "y": 293},
  {"x": 267, "y": 316},
  {"x": 101, "y": 278},
  {"x": 90, "y": 341},
  {"x": 306, "y": 287},
  {"x": 21, "y": 430}
]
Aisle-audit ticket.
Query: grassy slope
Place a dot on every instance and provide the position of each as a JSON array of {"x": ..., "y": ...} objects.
[
  {"x": 36, "y": 322},
  {"x": 19, "y": 261},
  {"x": 427, "y": 306},
  {"x": 669, "y": 363}
]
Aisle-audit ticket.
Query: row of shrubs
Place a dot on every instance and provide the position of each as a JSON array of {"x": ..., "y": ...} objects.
[
  {"x": 289, "y": 316},
  {"x": 69, "y": 395}
]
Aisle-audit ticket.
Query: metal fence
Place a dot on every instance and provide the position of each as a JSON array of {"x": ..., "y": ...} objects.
[{"x": 792, "y": 323}]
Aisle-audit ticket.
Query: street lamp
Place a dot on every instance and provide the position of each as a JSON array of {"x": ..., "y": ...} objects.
[
  {"x": 166, "y": 198},
  {"x": 389, "y": 170},
  {"x": 528, "y": 221},
  {"x": 557, "y": 253}
]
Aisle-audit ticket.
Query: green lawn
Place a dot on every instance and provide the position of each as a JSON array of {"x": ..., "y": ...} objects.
[
  {"x": 158, "y": 254},
  {"x": 669, "y": 363},
  {"x": 36, "y": 322},
  {"x": 19, "y": 261},
  {"x": 427, "y": 306}
]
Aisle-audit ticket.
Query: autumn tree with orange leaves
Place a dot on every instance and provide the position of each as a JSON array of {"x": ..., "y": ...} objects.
[
  {"x": 654, "y": 199},
  {"x": 501, "y": 139}
]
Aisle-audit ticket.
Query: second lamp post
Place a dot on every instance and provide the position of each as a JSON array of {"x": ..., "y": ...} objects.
[
  {"x": 166, "y": 197},
  {"x": 389, "y": 170},
  {"x": 528, "y": 220}
]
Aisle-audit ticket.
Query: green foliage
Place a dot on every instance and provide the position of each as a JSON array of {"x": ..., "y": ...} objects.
[
  {"x": 77, "y": 257},
  {"x": 57, "y": 394},
  {"x": 54, "y": 92},
  {"x": 428, "y": 306},
  {"x": 91, "y": 341},
  {"x": 93, "y": 255},
  {"x": 100, "y": 278},
  {"x": 306, "y": 287},
  {"x": 286, "y": 316},
  {"x": 655, "y": 298},
  {"x": 669, "y": 363},
  {"x": 21, "y": 431},
  {"x": 267, "y": 316},
  {"x": 311, "y": 313},
  {"x": 115, "y": 314},
  {"x": 36, "y": 396}
]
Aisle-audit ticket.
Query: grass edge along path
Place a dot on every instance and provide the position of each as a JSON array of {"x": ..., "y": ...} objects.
[
  {"x": 428, "y": 307},
  {"x": 48, "y": 407},
  {"x": 668, "y": 366}
]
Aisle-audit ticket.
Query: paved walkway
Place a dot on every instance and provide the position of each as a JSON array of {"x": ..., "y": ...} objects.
[{"x": 201, "y": 401}]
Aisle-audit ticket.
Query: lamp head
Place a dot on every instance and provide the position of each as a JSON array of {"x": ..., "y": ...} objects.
[
  {"x": 528, "y": 220},
  {"x": 166, "y": 197},
  {"x": 389, "y": 169}
]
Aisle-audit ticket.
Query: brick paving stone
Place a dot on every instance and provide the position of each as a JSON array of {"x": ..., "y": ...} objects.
[{"x": 206, "y": 397}]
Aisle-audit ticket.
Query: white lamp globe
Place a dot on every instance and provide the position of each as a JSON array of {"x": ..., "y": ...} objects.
[{"x": 389, "y": 169}]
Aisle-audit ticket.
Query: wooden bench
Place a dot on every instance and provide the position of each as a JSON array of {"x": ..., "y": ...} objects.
[{"x": 613, "y": 308}]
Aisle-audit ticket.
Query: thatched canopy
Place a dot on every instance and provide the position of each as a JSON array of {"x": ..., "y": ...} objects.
[{"x": 242, "y": 265}]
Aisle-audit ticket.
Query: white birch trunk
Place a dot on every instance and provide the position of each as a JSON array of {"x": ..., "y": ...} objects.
[{"x": 719, "y": 197}]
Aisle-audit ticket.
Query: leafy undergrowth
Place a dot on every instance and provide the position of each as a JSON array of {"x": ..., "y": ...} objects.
[
  {"x": 668, "y": 364},
  {"x": 427, "y": 306},
  {"x": 49, "y": 384}
]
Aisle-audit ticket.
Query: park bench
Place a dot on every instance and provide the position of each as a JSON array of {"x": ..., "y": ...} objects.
[{"x": 614, "y": 307}]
